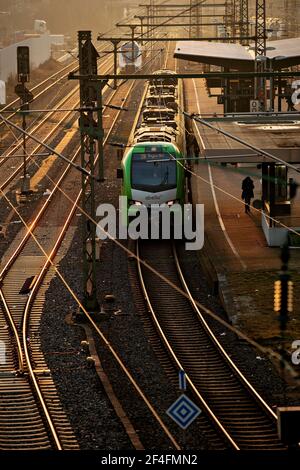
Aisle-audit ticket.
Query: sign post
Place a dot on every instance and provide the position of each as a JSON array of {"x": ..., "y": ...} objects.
[
  {"x": 254, "y": 106},
  {"x": 183, "y": 411},
  {"x": 182, "y": 380}
]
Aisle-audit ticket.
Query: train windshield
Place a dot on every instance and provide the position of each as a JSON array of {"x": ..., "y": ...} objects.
[{"x": 153, "y": 172}]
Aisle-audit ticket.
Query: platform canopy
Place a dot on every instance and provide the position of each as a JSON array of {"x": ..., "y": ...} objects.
[
  {"x": 281, "y": 139},
  {"x": 284, "y": 52}
]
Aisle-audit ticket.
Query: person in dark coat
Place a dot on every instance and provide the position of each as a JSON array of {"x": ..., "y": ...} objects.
[
  {"x": 247, "y": 194},
  {"x": 288, "y": 98}
]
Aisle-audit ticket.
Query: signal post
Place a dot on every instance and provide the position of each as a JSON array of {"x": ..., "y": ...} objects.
[{"x": 91, "y": 131}]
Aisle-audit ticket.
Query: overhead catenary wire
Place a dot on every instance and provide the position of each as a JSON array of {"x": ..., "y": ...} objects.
[
  {"x": 259, "y": 151},
  {"x": 237, "y": 139},
  {"x": 87, "y": 314},
  {"x": 264, "y": 350},
  {"x": 59, "y": 71},
  {"x": 48, "y": 147},
  {"x": 175, "y": 16},
  {"x": 273, "y": 219},
  {"x": 36, "y": 118},
  {"x": 195, "y": 116},
  {"x": 23, "y": 132},
  {"x": 30, "y": 233},
  {"x": 41, "y": 111},
  {"x": 267, "y": 351},
  {"x": 141, "y": 35}
]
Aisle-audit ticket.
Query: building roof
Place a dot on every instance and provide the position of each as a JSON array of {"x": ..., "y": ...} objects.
[{"x": 236, "y": 56}]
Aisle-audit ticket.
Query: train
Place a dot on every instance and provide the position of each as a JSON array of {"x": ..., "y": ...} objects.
[
  {"x": 130, "y": 57},
  {"x": 152, "y": 169}
]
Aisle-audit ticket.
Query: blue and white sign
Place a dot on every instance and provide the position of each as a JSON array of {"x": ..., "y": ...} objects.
[
  {"x": 182, "y": 380},
  {"x": 183, "y": 411}
]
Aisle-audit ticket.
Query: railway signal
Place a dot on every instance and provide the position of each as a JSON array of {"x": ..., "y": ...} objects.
[
  {"x": 26, "y": 97},
  {"x": 23, "y": 64}
]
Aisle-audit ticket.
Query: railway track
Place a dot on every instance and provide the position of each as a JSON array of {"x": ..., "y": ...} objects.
[
  {"x": 37, "y": 421},
  {"x": 238, "y": 413}
]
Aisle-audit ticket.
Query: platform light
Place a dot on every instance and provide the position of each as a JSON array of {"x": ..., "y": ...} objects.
[
  {"x": 283, "y": 297},
  {"x": 290, "y": 296},
  {"x": 277, "y": 296}
]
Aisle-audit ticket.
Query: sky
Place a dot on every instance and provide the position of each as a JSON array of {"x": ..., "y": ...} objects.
[{"x": 62, "y": 17}]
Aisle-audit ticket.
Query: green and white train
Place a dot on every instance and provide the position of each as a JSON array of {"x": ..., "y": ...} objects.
[{"x": 153, "y": 168}]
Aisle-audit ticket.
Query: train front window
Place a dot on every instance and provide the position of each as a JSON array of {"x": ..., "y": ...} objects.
[{"x": 153, "y": 172}]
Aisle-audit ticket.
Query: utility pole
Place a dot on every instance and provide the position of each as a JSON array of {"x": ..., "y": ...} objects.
[
  {"x": 242, "y": 19},
  {"x": 229, "y": 18},
  {"x": 260, "y": 51},
  {"x": 23, "y": 70},
  {"x": 148, "y": 19},
  {"x": 115, "y": 44},
  {"x": 195, "y": 19},
  {"x": 260, "y": 28},
  {"x": 152, "y": 12},
  {"x": 132, "y": 27},
  {"x": 141, "y": 18},
  {"x": 90, "y": 124},
  {"x": 151, "y": 23}
]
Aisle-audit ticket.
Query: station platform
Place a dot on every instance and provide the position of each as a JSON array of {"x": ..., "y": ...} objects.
[
  {"x": 279, "y": 136},
  {"x": 236, "y": 256}
]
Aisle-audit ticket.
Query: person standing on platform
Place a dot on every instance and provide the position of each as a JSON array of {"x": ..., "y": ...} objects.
[
  {"x": 193, "y": 148},
  {"x": 288, "y": 98},
  {"x": 247, "y": 194}
]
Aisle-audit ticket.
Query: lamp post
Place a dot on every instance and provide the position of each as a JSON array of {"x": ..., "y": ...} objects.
[
  {"x": 260, "y": 66},
  {"x": 260, "y": 83}
]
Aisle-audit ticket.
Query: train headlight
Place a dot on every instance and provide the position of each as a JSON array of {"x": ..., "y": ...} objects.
[
  {"x": 135, "y": 203},
  {"x": 170, "y": 203}
]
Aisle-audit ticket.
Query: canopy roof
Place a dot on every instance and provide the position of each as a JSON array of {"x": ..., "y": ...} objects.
[{"x": 285, "y": 52}]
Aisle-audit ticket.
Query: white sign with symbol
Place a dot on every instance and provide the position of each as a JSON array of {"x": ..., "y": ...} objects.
[{"x": 254, "y": 106}]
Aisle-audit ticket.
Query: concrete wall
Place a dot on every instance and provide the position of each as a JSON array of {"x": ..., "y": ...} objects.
[{"x": 40, "y": 52}]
